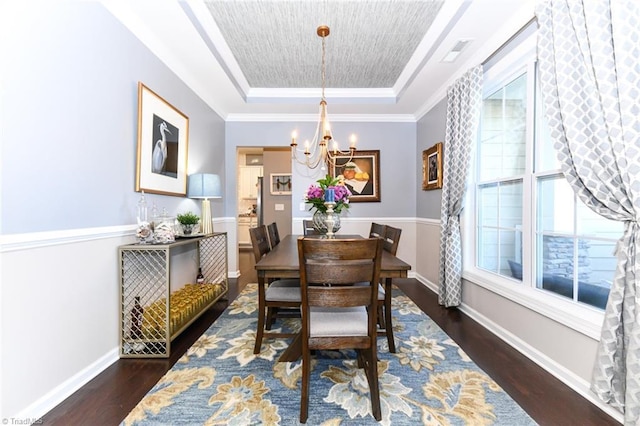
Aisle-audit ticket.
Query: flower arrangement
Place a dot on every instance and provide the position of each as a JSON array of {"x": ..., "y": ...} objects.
[{"x": 316, "y": 194}]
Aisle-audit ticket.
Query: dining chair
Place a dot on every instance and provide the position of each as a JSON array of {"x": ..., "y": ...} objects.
[
  {"x": 274, "y": 235},
  {"x": 307, "y": 227},
  {"x": 390, "y": 244},
  {"x": 283, "y": 293},
  {"x": 336, "y": 314},
  {"x": 391, "y": 239},
  {"x": 377, "y": 230}
]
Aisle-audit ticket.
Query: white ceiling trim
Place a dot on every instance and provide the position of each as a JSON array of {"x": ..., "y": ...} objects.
[
  {"x": 429, "y": 44},
  {"x": 500, "y": 36},
  {"x": 346, "y": 118},
  {"x": 124, "y": 11},
  {"x": 313, "y": 95},
  {"x": 210, "y": 33}
]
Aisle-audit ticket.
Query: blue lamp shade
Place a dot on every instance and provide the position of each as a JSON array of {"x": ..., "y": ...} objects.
[{"x": 204, "y": 185}]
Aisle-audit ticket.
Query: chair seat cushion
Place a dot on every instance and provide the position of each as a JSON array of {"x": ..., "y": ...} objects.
[
  {"x": 284, "y": 290},
  {"x": 338, "y": 321}
]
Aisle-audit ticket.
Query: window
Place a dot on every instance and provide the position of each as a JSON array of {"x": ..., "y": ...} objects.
[
  {"x": 530, "y": 229},
  {"x": 501, "y": 168}
]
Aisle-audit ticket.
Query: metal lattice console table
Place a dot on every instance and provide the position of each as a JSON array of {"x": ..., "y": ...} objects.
[{"x": 151, "y": 315}]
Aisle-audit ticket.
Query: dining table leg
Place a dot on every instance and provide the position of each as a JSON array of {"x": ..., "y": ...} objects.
[
  {"x": 388, "y": 326},
  {"x": 294, "y": 351},
  {"x": 261, "y": 314}
]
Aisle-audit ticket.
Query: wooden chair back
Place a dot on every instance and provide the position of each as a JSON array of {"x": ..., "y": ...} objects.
[
  {"x": 377, "y": 230},
  {"x": 391, "y": 239},
  {"x": 259, "y": 241},
  {"x": 329, "y": 268},
  {"x": 307, "y": 227},
  {"x": 274, "y": 236}
]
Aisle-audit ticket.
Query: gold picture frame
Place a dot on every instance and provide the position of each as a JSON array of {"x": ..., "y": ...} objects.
[
  {"x": 163, "y": 141},
  {"x": 432, "y": 167}
]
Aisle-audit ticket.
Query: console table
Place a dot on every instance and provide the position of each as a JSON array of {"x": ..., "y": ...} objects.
[{"x": 151, "y": 314}]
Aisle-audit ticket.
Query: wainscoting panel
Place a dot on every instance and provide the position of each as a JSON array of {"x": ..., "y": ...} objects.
[
  {"x": 428, "y": 251},
  {"x": 60, "y": 311}
]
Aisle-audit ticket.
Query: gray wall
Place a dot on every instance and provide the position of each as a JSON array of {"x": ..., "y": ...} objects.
[
  {"x": 69, "y": 128},
  {"x": 276, "y": 160},
  {"x": 396, "y": 142},
  {"x": 431, "y": 129},
  {"x": 67, "y": 164}
]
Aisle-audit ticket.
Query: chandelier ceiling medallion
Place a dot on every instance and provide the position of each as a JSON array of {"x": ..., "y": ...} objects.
[{"x": 318, "y": 151}]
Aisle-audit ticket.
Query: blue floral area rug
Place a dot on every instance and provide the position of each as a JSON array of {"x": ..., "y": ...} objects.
[{"x": 219, "y": 381}]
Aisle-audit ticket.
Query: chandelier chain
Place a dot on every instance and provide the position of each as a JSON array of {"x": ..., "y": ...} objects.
[{"x": 323, "y": 66}]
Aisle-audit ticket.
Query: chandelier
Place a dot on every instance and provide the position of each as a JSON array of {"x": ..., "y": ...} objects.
[{"x": 322, "y": 149}]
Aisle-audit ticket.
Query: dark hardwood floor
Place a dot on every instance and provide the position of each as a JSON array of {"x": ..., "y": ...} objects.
[{"x": 109, "y": 397}]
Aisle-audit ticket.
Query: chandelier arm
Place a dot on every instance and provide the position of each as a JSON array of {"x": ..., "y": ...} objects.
[
  {"x": 313, "y": 148},
  {"x": 331, "y": 158}
]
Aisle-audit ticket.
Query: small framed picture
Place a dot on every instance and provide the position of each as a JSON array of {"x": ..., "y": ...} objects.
[
  {"x": 432, "y": 167},
  {"x": 163, "y": 138},
  {"x": 280, "y": 183}
]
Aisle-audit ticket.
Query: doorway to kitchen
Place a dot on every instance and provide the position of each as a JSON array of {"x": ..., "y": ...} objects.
[{"x": 263, "y": 191}]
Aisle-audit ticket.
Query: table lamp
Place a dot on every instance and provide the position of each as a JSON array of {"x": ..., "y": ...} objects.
[{"x": 205, "y": 186}]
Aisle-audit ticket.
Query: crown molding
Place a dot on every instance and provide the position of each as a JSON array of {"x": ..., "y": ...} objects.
[
  {"x": 347, "y": 118},
  {"x": 313, "y": 95}
]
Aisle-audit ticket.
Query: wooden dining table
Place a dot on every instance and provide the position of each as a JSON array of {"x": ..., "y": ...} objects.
[{"x": 282, "y": 262}]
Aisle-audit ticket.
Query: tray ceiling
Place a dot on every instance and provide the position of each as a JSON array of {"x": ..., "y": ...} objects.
[{"x": 260, "y": 59}]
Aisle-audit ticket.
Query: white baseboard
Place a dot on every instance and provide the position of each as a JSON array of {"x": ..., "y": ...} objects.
[
  {"x": 424, "y": 281},
  {"x": 54, "y": 397}
]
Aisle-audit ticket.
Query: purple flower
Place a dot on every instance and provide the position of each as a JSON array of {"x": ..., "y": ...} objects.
[
  {"x": 315, "y": 192},
  {"x": 342, "y": 193},
  {"x": 315, "y": 195}
]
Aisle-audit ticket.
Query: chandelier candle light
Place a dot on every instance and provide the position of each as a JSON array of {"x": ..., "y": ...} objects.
[{"x": 317, "y": 152}]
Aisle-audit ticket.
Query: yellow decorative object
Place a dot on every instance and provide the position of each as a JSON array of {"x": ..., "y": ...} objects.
[{"x": 185, "y": 303}]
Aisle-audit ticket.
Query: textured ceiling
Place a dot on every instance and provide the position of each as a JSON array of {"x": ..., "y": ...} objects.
[{"x": 276, "y": 45}]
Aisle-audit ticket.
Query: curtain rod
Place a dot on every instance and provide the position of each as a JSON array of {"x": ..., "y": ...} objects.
[{"x": 513, "y": 37}]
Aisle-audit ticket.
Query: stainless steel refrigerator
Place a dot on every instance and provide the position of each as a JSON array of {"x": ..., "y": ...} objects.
[{"x": 260, "y": 201}]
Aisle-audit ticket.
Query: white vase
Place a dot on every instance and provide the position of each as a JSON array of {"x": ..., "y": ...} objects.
[{"x": 187, "y": 229}]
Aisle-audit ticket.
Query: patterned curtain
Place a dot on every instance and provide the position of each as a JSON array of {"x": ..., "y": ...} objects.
[
  {"x": 589, "y": 60},
  {"x": 464, "y": 100}
]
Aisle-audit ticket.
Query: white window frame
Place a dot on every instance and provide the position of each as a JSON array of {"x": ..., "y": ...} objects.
[{"x": 580, "y": 317}]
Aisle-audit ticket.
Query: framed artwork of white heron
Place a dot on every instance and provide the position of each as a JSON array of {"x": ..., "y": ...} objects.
[{"x": 163, "y": 139}]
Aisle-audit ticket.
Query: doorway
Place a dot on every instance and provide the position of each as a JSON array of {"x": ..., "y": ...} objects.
[{"x": 273, "y": 165}]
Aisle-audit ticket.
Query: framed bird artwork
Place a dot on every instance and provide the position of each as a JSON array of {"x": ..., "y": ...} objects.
[{"x": 163, "y": 138}]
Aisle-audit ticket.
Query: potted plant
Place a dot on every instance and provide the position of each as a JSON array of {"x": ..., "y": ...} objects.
[{"x": 187, "y": 220}]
